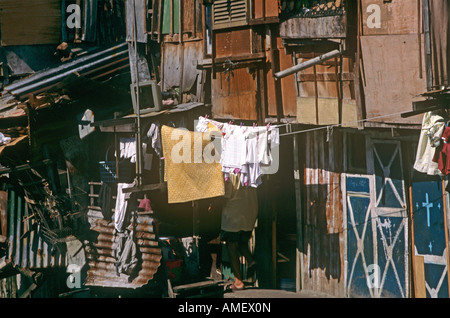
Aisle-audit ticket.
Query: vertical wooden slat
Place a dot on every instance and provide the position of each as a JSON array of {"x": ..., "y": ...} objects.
[
  {"x": 419, "y": 275},
  {"x": 300, "y": 252},
  {"x": 18, "y": 224},
  {"x": 444, "y": 199}
]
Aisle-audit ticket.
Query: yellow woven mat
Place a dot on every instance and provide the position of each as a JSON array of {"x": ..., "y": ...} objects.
[{"x": 189, "y": 178}]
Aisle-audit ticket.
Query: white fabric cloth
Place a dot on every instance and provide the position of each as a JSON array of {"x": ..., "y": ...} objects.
[
  {"x": 254, "y": 166},
  {"x": 433, "y": 125},
  {"x": 233, "y": 148},
  {"x": 121, "y": 205},
  {"x": 155, "y": 136},
  {"x": 128, "y": 148},
  {"x": 245, "y": 149}
]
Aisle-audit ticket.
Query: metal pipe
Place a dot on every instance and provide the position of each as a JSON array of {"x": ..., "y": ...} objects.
[{"x": 307, "y": 64}]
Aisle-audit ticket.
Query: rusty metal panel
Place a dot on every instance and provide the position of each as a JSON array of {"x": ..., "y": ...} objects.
[
  {"x": 101, "y": 260},
  {"x": 26, "y": 246},
  {"x": 323, "y": 213},
  {"x": 392, "y": 76}
]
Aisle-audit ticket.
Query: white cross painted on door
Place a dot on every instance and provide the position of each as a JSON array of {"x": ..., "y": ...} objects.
[{"x": 428, "y": 205}]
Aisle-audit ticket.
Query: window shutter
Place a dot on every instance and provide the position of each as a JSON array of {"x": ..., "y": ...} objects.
[{"x": 230, "y": 13}]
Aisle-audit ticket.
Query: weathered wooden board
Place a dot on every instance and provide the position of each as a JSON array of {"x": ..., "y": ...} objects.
[
  {"x": 392, "y": 76},
  {"x": 172, "y": 64},
  {"x": 328, "y": 111},
  {"x": 324, "y": 83},
  {"x": 233, "y": 43},
  {"x": 264, "y": 9},
  {"x": 234, "y": 95},
  {"x": 395, "y": 17},
  {"x": 331, "y": 27},
  {"x": 24, "y": 22},
  {"x": 287, "y": 86}
]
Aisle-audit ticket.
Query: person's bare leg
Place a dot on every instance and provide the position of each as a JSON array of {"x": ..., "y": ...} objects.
[{"x": 235, "y": 264}]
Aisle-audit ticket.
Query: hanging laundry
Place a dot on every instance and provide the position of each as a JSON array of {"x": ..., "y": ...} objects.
[
  {"x": 189, "y": 177},
  {"x": 253, "y": 160},
  {"x": 246, "y": 151},
  {"x": 105, "y": 200},
  {"x": 433, "y": 125},
  {"x": 122, "y": 206},
  {"x": 126, "y": 254},
  {"x": 154, "y": 137},
  {"x": 234, "y": 147},
  {"x": 145, "y": 205},
  {"x": 128, "y": 149},
  {"x": 442, "y": 155}
]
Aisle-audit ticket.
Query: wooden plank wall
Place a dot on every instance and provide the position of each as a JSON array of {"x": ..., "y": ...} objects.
[
  {"x": 24, "y": 22},
  {"x": 234, "y": 95},
  {"x": 323, "y": 237},
  {"x": 393, "y": 58},
  {"x": 319, "y": 90},
  {"x": 287, "y": 85}
]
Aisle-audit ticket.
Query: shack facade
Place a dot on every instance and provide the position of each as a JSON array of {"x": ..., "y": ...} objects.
[{"x": 349, "y": 85}]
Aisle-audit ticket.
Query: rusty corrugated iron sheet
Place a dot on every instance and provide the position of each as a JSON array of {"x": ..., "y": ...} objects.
[
  {"x": 26, "y": 246},
  {"x": 101, "y": 260},
  {"x": 323, "y": 213}
]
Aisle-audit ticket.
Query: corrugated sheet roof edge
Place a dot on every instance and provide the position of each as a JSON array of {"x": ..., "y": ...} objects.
[{"x": 47, "y": 78}]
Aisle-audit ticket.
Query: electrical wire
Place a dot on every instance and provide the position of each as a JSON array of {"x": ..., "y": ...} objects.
[{"x": 338, "y": 125}]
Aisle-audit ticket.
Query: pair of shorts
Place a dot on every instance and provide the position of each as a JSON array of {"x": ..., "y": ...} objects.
[{"x": 230, "y": 237}]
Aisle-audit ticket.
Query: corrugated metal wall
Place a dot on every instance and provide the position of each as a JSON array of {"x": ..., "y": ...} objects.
[
  {"x": 26, "y": 247},
  {"x": 323, "y": 237}
]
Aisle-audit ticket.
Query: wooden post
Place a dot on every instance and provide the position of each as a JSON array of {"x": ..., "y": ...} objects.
[
  {"x": 419, "y": 277},
  {"x": 357, "y": 70},
  {"x": 298, "y": 198},
  {"x": 196, "y": 230},
  {"x": 275, "y": 59},
  {"x": 444, "y": 199}
]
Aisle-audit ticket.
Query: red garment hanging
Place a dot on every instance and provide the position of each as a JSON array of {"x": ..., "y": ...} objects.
[{"x": 442, "y": 155}]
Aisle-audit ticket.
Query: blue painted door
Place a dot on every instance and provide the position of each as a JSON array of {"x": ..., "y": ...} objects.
[
  {"x": 429, "y": 232},
  {"x": 390, "y": 217},
  {"x": 359, "y": 236},
  {"x": 377, "y": 225}
]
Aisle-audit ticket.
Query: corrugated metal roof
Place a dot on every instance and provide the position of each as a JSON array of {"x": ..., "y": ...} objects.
[
  {"x": 101, "y": 260},
  {"x": 94, "y": 65}
]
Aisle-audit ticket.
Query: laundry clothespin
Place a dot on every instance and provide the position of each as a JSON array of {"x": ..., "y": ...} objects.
[
  {"x": 268, "y": 126},
  {"x": 206, "y": 116},
  {"x": 254, "y": 125}
]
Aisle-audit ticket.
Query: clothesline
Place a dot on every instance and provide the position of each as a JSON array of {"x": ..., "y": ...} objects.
[{"x": 338, "y": 125}]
